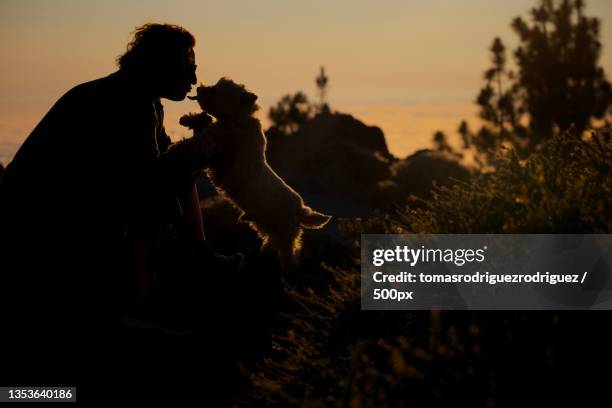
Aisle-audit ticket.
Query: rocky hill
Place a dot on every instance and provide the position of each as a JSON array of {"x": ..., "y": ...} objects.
[{"x": 346, "y": 165}]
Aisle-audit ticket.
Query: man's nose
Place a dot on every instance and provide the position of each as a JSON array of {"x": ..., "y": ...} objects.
[{"x": 193, "y": 79}]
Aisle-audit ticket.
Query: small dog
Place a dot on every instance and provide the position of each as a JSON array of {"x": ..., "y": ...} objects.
[{"x": 240, "y": 172}]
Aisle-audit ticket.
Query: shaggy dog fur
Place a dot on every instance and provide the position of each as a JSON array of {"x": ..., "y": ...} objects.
[{"x": 241, "y": 173}]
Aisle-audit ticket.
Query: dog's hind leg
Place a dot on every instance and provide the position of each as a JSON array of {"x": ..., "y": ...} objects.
[
  {"x": 290, "y": 250},
  {"x": 269, "y": 249}
]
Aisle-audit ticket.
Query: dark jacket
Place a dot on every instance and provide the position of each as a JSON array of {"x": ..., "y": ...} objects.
[
  {"x": 102, "y": 142},
  {"x": 94, "y": 171}
]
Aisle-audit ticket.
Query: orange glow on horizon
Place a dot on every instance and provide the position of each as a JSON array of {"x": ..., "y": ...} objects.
[{"x": 409, "y": 67}]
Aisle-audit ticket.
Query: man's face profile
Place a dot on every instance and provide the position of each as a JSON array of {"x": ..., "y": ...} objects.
[{"x": 179, "y": 76}]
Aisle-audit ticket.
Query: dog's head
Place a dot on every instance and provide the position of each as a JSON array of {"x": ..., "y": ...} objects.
[{"x": 226, "y": 98}]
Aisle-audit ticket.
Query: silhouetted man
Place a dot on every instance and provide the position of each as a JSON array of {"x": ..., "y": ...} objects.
[{"x": 84, "y": 194}]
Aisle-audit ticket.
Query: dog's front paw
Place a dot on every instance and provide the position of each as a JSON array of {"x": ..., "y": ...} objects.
[{"x": 196, "y": 121}]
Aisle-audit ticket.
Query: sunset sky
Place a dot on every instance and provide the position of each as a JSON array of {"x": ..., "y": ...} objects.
[{"x": 410, "y": 67}]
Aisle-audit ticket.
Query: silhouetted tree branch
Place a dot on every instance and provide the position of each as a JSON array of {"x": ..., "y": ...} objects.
[
  {"x": 559, "y": 83},
  {"x": 291, "y": 112}
]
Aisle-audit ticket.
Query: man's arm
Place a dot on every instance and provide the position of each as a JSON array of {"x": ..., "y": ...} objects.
[{"x": 153, "y": 176}]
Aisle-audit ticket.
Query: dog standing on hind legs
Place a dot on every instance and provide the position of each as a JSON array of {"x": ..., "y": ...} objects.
[{"x": 241, "y": 174}]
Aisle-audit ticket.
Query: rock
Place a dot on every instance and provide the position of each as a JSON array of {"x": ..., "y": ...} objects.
[
  {"x": 416, "y": 174},
  {"x": 334, "y": 154}
]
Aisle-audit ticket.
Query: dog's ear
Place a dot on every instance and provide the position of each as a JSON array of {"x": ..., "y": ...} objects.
[{"x": 248, "y": 98}]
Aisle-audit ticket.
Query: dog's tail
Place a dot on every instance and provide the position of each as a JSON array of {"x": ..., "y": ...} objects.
[{"x": 312, "y": 219}]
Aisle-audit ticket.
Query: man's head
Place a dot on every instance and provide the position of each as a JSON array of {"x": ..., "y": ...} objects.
[
  {"x": 162, "y": 55},
  {"x": 226, "y": 98}
]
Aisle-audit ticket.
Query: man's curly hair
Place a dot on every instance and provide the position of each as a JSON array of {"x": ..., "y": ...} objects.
[{"x": 153, "y": 42}]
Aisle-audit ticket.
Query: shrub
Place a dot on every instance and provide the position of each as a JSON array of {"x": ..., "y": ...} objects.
[
  {"x": 565, "y": 187},
  {"x": 334, "y": 354}
]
